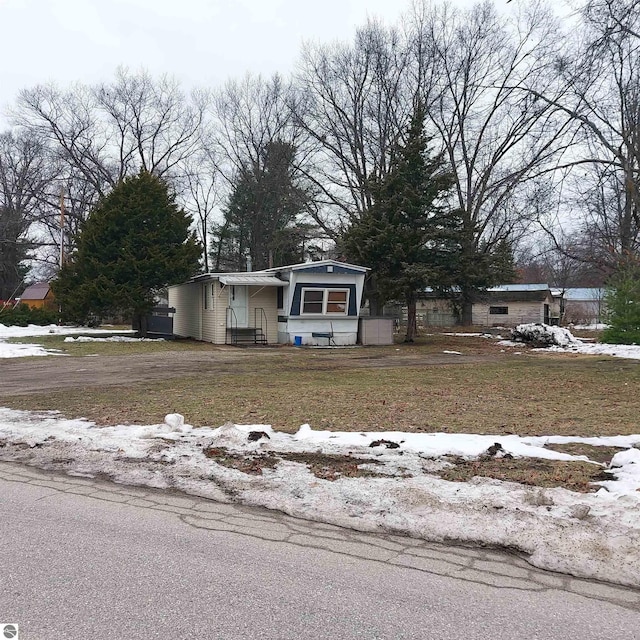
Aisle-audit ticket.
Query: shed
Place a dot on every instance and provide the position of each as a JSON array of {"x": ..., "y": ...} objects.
[
  {"x": 504, "y": 305},
  {"x": 514, "y": 304},
  {"x": 316, "y": 302},
  {"x": 38, "y": 296}
]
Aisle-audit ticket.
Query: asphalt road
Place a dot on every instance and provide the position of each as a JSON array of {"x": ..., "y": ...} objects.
[{"x": 85, "y": 559}]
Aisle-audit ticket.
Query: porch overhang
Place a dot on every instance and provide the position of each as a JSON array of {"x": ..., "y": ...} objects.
[{"x": 253, "y": 280}]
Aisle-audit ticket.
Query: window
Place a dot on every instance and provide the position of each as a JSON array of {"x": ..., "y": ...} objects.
[
  {"x": 325, "y": 301},
  {"x": 312, "y": 300},
  {"x": 499, "y": 311},
  {"x": 208, "y": 296},
  {"x": 337, "y": 301}
]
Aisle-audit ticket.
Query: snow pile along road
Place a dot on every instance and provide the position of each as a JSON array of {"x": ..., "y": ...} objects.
[{"x": 590, "y": 535}]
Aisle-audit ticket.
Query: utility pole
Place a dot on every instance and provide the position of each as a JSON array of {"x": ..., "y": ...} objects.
[
  {"x": 61, "y": 245},
  {"x": 61, "y": 227}
]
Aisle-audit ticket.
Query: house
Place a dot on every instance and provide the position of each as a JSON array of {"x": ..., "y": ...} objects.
[
  {"x": 584, "y": 305},
  {"x": 38, "y": 296},
  {"x": 505, "y": 305},
  {"x": 312, "y": 303},
  {"x": 513, "y": 304}
]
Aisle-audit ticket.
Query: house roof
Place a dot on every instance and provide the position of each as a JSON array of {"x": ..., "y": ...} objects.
[
  {"x": 318, "y": 263},
  {"x": 520, "y": 287},
  {"x": 36, "y": 291},
  {"x": 507, "y": 292},
  {"x": 587, "y": 294},
  {"x": 529, "y": 295},
  {"x": 254, "y": 278}
]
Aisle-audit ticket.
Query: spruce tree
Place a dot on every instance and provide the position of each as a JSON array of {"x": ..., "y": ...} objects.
[
  {"x": 622, "y": 302},
  {"x": 408, "y": 237},
  {"x": 133, "y": 244},
  {"x": 262, "y": 214}
]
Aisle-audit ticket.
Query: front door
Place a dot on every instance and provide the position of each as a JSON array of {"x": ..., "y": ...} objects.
[{"x": 239, "y": 302}]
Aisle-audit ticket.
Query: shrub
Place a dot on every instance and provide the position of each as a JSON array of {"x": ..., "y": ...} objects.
[{"x": 23, "y": 315}]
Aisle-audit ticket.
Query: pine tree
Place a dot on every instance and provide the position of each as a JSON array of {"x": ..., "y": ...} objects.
[
  {"x": 262, "y": 213},
  {"x": 407, "y": 237},
  {"x": 622, "y": 301},
  {"x": 133, "y": 244}
]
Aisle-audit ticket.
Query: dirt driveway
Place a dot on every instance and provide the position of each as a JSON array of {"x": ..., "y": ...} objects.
[{"x": 24, "y": 376}]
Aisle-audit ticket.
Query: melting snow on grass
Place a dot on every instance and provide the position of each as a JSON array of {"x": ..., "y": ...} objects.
[
  {"x": 112, "y": 339},
  {"x": 547, "y": 338},
  {"x": 22, "y": 350},
  {"x": 593, "y": 535}
]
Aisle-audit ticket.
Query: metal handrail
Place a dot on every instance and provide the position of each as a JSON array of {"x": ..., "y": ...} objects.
[
  {"x": 263, "y": 317},
  {"x": 232, "y": 325}
]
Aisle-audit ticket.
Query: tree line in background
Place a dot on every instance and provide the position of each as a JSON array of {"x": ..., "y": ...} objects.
[{"x": 443, "y": 151}]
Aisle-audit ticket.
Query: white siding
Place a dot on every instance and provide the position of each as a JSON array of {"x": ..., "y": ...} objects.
[
  {"x": 213, "y": 324},
  {"x": 264, "y": 298},
  {"x": 186, "y": 300},
  {"x": 345, "y": 330}
]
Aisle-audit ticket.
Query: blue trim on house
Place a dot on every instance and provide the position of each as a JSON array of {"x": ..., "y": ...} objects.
[
  {"x": 324, "y": 269},
  {"x": 297, "y": 296}
]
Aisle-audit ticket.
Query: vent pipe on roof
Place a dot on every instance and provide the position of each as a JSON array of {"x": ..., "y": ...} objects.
[{"x": 249, "y": 262}]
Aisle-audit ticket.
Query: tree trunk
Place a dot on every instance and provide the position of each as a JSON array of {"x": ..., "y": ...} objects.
[
  {"x": 142, "y": 324},
  {"x": 466, "y": 312},
  {"x": 412, "y": 327}
]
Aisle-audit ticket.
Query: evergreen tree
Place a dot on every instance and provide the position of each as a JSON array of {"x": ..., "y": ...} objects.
[
  {"x": 262, "y": 214},
  {"x": 623, "y": 305},
  {"x": 133, "y": 244},
  {"x": 408, "y": 239}
]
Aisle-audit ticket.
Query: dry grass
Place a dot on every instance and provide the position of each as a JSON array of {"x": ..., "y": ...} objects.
[
  {"x": 597, "y": 454},
  {"x": 379, "y": 389},
  {"x": 575, "y": 476},
  {"x": 322, "y": 465},
  {"x": 490, "y": 390}
]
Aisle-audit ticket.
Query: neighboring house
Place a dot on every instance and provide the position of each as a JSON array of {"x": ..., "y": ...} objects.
[
  {"x": 312, "y": 303},
  {"x": 584, "y": 305},
  {"x": 513, "y": 304},
  {"x": 506, "y": 305},
  {"x": 38, "y": 296}
]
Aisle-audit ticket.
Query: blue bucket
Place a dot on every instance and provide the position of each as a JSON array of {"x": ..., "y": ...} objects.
[{"x": 297, "y": 341}]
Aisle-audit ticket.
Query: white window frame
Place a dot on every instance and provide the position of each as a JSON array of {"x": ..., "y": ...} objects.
[{"x": 325, "y": 301}]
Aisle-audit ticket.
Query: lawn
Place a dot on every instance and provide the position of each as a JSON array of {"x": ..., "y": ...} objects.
[
  {"x": 488, "y": 389},
  {"x": 390, "y": 388}
]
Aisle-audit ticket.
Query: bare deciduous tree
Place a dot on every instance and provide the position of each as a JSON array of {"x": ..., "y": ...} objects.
[
  {"x": 497, "y": 136},
  {"x": 27, "y": 170},
  {"x": 602, "y": 75},
  {"x": 201, "y": 195},
  {"x": 353, "y": 101},
  {"x": 116, "y": 129}
]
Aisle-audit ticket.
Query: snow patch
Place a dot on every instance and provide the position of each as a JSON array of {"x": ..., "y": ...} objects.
[
  {"x": 590, "y": 535},
  {"x": 543, "y": 335},
  {"x": 23, "y": 350},
  {"x": 112, "y": 339}
]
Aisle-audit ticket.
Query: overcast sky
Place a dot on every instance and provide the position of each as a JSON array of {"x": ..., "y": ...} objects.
[{"x": 201, "y": 42}]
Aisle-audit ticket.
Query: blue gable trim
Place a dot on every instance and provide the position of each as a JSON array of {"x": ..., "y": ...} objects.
[
  {"x": 323, "y": 269},
  {"x": 297, "y": 295}
]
